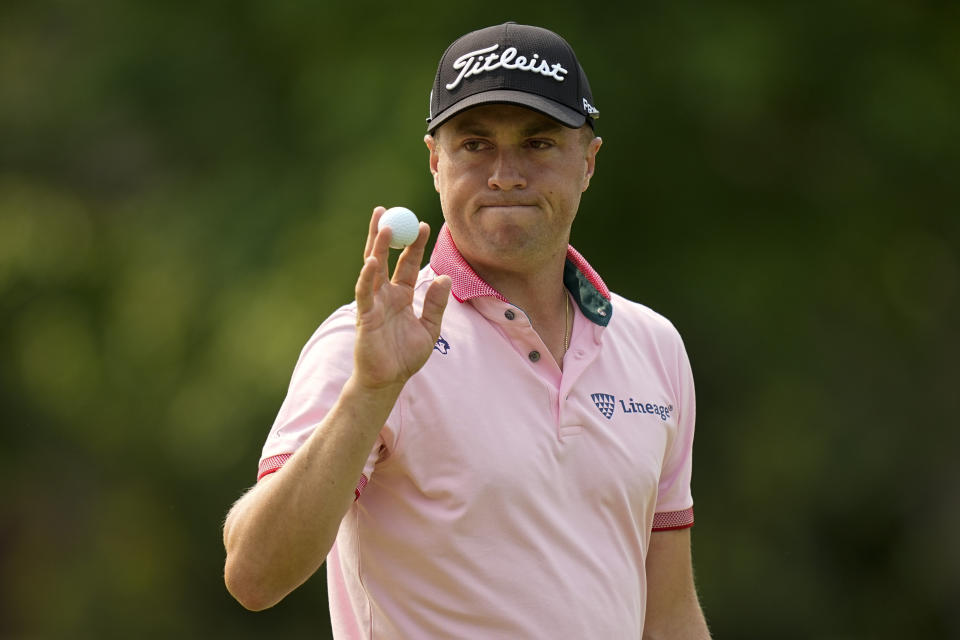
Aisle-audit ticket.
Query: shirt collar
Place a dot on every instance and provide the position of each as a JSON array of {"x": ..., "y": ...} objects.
[{"x": 585, "y": 285}]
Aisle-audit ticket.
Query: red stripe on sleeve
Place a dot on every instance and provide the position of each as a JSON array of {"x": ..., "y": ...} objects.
[
  {"x": 271, "y": 464},
  {"x": 360, "y": 485},
  {"x": 670, "y": 520}
]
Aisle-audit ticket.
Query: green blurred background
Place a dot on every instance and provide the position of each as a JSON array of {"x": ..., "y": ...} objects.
[{"x": 184, "y": 192}]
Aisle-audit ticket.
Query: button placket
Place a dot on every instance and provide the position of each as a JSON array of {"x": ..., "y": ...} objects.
[
  {"x": 520, "y": 332},
  {"x": 533, "y": 355}
]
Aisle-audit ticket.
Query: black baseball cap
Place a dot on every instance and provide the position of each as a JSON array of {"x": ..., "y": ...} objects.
[{"x": 512, "y": 64}]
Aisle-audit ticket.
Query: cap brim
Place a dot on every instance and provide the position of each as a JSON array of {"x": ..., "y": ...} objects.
[{"x": 562, "y": 114}]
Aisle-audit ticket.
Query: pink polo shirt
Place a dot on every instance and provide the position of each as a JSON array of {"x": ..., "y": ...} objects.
[{"x": 505, "y": 498}]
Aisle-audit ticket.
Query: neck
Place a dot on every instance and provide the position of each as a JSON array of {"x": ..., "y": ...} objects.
[
  {"x": 538, "y": 292},
  {"x": 543, "y": 297}
]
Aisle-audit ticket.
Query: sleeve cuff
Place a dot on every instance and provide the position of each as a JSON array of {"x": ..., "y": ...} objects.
[
  {"x": 360, "y": 485},
  {"x": 271, "y": 464},
  {"x": 670, "y": 520}
]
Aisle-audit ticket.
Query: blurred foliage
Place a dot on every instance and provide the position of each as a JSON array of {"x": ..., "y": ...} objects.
[{"x": 184, "y": 191}]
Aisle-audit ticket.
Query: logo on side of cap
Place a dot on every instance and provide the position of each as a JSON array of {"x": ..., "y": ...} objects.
[{"x": 474, "y": 63}]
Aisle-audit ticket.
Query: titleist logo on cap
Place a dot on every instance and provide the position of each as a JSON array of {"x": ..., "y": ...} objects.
[
  {"x": 474, "y": 63},
  {"x": 510, "y": 63}
]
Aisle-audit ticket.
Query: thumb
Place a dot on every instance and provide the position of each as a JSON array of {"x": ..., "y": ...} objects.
[{"x": 434, "y": 304}]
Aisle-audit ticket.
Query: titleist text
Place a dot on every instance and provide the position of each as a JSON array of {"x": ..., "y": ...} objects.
[{"x": 475, "y": 62}]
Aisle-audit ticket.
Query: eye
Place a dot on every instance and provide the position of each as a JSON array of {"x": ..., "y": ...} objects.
[
  {"x": 474, "y": 145},
  {"x": 539, "y": 144}
]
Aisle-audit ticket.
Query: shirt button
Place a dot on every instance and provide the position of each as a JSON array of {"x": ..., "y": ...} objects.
[
  {"x": 534, "y": 356},
  {"x": 509, "y": 314}
]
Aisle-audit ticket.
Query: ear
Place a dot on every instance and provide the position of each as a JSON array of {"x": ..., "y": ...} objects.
[
  {"x": 591, "y": 160},
  {"x": 431, "y": 143}
]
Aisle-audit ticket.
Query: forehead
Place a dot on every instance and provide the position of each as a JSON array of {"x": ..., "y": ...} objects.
[{"x": 493, "y": 119}]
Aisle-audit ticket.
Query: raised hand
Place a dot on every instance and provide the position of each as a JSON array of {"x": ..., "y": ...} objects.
[{"x": 392, "y": 342}]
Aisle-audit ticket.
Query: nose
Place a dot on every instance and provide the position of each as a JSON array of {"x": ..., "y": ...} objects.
[{"x": 506, "y": 172}]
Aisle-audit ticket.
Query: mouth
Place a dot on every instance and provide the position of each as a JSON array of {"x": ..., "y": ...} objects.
[{"x": 505, "y": 205}]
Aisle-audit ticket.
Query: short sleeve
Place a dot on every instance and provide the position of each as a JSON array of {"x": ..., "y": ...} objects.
[
  {"x": 324, "y": 365},
  {"x": 674, "y": 508}
]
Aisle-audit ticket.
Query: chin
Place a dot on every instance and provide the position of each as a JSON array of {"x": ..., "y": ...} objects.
[{"x": 510, "y": 235}]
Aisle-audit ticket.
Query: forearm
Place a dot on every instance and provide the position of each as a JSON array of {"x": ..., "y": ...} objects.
[
  {"x": 673, "y": 609},
  {"x": 280, "y": 532},
  {"x": 686, "y": 622}
]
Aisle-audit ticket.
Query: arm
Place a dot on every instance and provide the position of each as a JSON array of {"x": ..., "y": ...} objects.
[
  {"x": 279, "y": 533},
  {"x": 673, "y": 611}
]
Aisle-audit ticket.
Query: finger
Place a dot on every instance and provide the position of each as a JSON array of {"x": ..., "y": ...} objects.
[
  {"x": 381, "y": 251},
  {"x": 408, "y": 264},
  {"x": 434, "y": 304},
  {"x": 372, "y": 231},
  {"x": 366, "y": 285}
]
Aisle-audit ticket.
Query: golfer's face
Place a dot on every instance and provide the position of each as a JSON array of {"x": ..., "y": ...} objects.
[{"x": 510, "y": 181}]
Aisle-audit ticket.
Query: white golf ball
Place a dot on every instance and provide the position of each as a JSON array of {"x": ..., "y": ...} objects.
[{"x": 404, "y": 225}]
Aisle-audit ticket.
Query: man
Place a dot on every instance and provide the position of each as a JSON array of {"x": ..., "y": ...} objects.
[{"x": 523, "y": 472}]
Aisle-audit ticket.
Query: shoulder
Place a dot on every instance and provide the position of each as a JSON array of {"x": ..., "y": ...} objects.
[
  {"x": 341, "y": 323},
  {"x": 633, "y": 316},
  {"x": 330, "y": 347}
]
